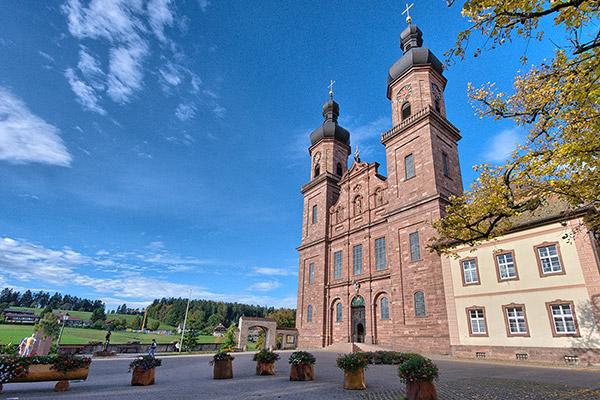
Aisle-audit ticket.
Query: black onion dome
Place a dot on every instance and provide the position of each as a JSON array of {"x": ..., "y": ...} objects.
[
  {"x": 414, "y": 55},
  {"x": 330, "y": 127}
]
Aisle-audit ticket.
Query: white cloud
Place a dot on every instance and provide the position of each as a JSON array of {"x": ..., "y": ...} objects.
[
  {"x": 264, "y": 286},
  {"x": 170, "y": 74},
  {"x": 185, "y": 111},
  {"x": 501, "y": 145},
  {"x": 90, "y": 68},
  {"x": 34, "y": 264},
  {"x": 86, "y": 95},
  {"x": 275, "y": 271},
  {"x": 159, "y": 15},
  {"x": 219, "y": 111},
  {"x": 203, "y": 4},
  {"x": 27, "y": 138},
  {"x": 125, "y": 71}
]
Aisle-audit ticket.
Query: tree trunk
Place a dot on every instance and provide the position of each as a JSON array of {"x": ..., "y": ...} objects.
[
  {"x": 265, "y": 368},
  {"x": 142, "y": 378},
  {"x": 421, "y": 390},
  {"x": 355, "y": 380},
  {"x": 223, "y": 370},
  {"x": 302, "y": 372}
]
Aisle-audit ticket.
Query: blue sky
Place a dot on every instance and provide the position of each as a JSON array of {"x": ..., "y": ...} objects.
[{"x": 152, "y": 147}]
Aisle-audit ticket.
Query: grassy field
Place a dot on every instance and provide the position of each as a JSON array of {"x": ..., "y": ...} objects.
[
  {"x": 14, "y": 333},
  {"x": 88, "y": 315}
]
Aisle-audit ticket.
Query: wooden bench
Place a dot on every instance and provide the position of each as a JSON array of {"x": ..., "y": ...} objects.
[{"x": 71, "y": 348}]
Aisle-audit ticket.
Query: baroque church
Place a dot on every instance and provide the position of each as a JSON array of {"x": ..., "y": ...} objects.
[{"x": 366, "y": 276}]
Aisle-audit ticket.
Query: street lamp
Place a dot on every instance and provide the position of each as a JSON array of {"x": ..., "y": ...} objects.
[{"x": 65, "y": 318}]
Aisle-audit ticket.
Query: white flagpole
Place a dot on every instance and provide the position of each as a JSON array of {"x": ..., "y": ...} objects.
[{"x": 185, "y": 320}]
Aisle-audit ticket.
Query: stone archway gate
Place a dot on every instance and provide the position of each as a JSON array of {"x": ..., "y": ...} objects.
[{"x": 268, "y": 324}]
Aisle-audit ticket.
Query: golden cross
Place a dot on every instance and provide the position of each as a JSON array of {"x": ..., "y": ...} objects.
[
  {"x": 408, "y": 18},
  {"x": 357, "y": 152},
  {"x": 331, "y": 88}
]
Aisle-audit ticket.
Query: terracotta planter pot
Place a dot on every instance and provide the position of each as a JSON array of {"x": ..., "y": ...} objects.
[
  {"x": 355, "y": 380},
  {"x": 223, "y": 370},
  {"x": 302, "y": 372},
  {"x": 265, "y": 368},
  {"x": 43, "y": 373},
  {"x": 423, "y": 390},
  {"x": 142, "y": 378}
]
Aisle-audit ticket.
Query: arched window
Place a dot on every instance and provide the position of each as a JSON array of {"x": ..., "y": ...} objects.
[
  {"x": 339, "y": 169},
  {"x": 437, "y": 106},
  {"x": 385, "y": 308},
  {"x": 420, "y": 304},
  {"x": 317, "y": 170},
  {"x": 338, "y": 312},
  {"x": 309, "y": 314},
  {"x": 405, "y": 110}
]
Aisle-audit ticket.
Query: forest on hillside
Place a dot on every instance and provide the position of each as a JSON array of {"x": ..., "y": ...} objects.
[{"x": 203, "y": 315}]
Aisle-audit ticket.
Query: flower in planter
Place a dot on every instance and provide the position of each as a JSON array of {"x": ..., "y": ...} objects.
[
  {"x": 145, "y": 363},
  {"x": 417, "y": 369},
  {"x": 352, "y": 361},
  {"x": 299, "y": 357},
  {"x": 69, "y": 362},
  {"x": 266, "y": 357},
  {"x": 221, "y": 355}
]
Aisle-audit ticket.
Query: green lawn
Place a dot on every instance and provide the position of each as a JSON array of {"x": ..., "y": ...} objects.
[
  {"x": 14, "y": 333},
  {"x": 87, "y": 315}
]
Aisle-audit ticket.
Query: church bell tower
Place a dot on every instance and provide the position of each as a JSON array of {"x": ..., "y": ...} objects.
[{"x": 329, "y": 151}]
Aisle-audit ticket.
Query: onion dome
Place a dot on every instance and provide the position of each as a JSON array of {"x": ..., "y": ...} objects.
[
  {"x": 414, "y": 55},
  {"x": 330, "y": 127}
]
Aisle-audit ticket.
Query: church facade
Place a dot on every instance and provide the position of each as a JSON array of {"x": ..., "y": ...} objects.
[{"x": 365, "y": 275}]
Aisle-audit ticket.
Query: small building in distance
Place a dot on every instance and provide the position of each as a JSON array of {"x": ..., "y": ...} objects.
[
  {"x": 72, "y": 321},
  {"x": 219, "y": 331},
  {"x": 17, "y": 316}
]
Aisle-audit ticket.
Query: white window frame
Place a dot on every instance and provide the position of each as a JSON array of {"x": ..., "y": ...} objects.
[
  {"x": 506, "y": 267},
  {"x": 477, "y": 321},
  {"x": 550, "y": 260},
  {"x": 562, "y": 318},
  {"x": 516, "y": 315},
  {"x": 470, "y": 273}
]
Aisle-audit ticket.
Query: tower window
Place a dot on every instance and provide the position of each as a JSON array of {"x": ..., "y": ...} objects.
[
  {"x": 311, "y": 273},
  {"x": 314, "y": 214},
  {"x": 405, "y": 110},
  {"x": 337, "y": 265},
  {"x": 339, "y": 169},
  {"x": 309, "y": 314},
  {"x": 317, "y": 170},
  {"x": 437, "y": 105},
  {"x": 445, "y": 164},
  {"x": 338, "y": 312},
  {"x": 358, "y": 266},
  {"x": 415, "y": 249},
  {"x": 385, "y": 308},
  {"x": 409, "y": 166}
]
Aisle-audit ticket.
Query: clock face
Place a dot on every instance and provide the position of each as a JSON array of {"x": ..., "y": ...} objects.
[
  {"x": 317, "y": 157},
  {"x": 437, "y": 93},
  {"x": 404, "y": 94}
]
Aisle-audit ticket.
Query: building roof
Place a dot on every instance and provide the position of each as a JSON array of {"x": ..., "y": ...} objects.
[
  {"x": 219, "y": 327},
  {"x": 330, "y": 128},
  {"x": 18, "y": 311},
  {"x": 414, "y": 55}
]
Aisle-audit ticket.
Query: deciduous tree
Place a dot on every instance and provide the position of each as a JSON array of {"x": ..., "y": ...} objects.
[
  {"x": 556, "y": 102},
  {"x": 48, "y": 325}
]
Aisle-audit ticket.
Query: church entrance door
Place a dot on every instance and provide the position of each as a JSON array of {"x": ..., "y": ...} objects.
[
  {"x": 358, "y": 319},
  {"x": 358, "y": 324}
]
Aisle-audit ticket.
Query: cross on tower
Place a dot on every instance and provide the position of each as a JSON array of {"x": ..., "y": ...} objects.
[
  {"x": 408, "y": 18},
  {"x": 331, "y": 89}
]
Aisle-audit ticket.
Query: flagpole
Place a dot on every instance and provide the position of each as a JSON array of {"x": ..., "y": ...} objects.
[{"x": 185, "y": 320}]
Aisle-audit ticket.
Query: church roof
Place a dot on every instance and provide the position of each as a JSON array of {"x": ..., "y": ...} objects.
[
  {"x": 330, "y": 127},
  {"x": 414, "y": 55}
]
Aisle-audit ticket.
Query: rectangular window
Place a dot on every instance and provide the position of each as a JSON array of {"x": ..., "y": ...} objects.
[
  {"x": 385, "y": 308},
  {"x": 477, "y": 321},
  {"x": 409, "y": 166},
  {"x": 549, "y": 259},
  {"x": 515, "y": 318},
  {"x": 469, "y": 268},
  {"x": 314, "y": 215},
  {"x": 309, "y": 314},
  {"x": 337, "y": 265},
  {"x": 415, "y": 249},
  {"x": 338, "y": 312},
  {"x": 358, "y": 265},
  {"x": 506, "y": 266},
  {"x": 445, "y": 163},
  {"x": 380, "y": 259},
  {"x": 311, "y": 273},
  {"x": 563, "y": 319}
]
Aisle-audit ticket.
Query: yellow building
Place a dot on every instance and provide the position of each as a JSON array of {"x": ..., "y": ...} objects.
[{"x": 532, "y": 294}]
